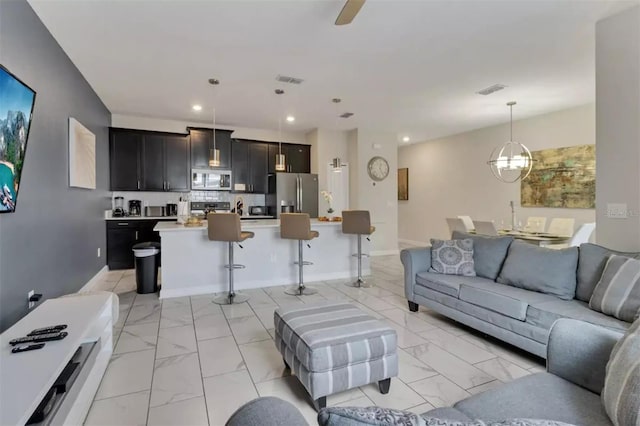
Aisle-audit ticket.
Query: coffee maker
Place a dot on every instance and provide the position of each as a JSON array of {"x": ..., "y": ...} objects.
[
  {"x": 135, "y": 207},
  {"x": 118, "y": 207}
]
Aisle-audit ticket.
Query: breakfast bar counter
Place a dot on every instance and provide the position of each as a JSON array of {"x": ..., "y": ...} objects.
[{"x": 192, "y": 265}]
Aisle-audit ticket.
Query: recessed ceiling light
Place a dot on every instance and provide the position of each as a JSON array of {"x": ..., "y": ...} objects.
[
  {"x": 406, "y": 139},
  {"x": 291, "y": 118},
  {"x": 197, "y": 107}
]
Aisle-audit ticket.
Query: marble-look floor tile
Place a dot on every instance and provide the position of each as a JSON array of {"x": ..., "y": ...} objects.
[
  {"x": 226, "y": 393},
  {"x": 502, "y": 369},
  {"x": 345, "y": 396},
  {"x": 412, "y": 369},
  {"x": 400, "y": 395},
  {"x": 219, "y": 356},
  {"x": 124, "y": 287},
  {"x": 137, "y": 338},
  {"x": 176, "y": 341},
  {"x": 176, "y": 302},
  {"x": 265, "y": 315},
  {"x": 362, "y": 401},
  {"x": 127, "y": 373},
  {"x": 211, "y": 327},
  {"x": 258, "y": 298},
  {"x": 202, "y": 306},
  {"x": 112, "y": 276},
  {"x": 406, "y": 339},
  {"x": 143, "y": 314},
  {"x": 453, "y": 368},
  {"x": 175, "y": 379},
  {"x": 248, "y": 329},
  {"x": 408, "y": 320},
  {"x": 263, "y": 361},
  {"x": 103, "y": 286},
  {"x": 457, "y": 346},
  {"x": 290, "y": 389},
  {"x": 505, "y": 351},
  {"x": 537, "y": 369},
  {"x": 439, "y": 391},
  {"x": 442, "y": 322},
  {"x": 237, "y": 310},
  {"x": 421, "y": 409},
  {"x": 127, "y": 410},
  {"x": 176, "y": 317},
  {"x": 487, "y": 386},
  {"x": 189, "y": 412},
  {"x": 147, "y": 299}
]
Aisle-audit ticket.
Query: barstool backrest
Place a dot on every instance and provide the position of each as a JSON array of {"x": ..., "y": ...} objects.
[
  {"x": 224, "y": 227},
  {"x": 295, "y": 226},
  {"x": 356, "y": 222}
]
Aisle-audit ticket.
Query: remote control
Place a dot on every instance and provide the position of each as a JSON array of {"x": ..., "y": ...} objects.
[
  {"x": 39, "y": 338},
  {"x": 47, "y": 330},
  {"x": 25, "y": 348}
]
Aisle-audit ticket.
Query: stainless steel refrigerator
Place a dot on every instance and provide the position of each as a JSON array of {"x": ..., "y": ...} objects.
[{"x": 293, "y": 193}]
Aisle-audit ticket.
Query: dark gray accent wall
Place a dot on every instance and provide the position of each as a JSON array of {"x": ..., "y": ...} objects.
[{"x": 50, "y": 243}]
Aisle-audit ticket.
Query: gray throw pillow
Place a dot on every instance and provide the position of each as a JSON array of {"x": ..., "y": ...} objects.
[
  {"x": 590, "y": 266},
  {"x": 488, "y": 253},
  {"x": 541, "y": 269},
  {"x": 452, "y": 257},
  {"x": 618, "y": 291},
  {"x": 621, "y": 393}
]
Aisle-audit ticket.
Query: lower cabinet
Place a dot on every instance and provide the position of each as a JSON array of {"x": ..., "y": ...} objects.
[{"x": 123, "y": 234}]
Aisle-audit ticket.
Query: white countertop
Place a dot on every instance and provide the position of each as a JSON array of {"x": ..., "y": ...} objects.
[
  {"x": 246, "y": 224},
  {"x": 143, "y": 218}
]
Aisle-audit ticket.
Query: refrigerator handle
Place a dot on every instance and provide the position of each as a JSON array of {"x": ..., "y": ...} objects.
[
  {"x": 301, "y": 187},
  {"x": 297, "y": 194}
]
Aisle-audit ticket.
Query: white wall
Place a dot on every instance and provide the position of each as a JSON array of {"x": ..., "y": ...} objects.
[
  {"x": 380, "y": 198},
  {"x": 450, "y": 176},
  {"x": 618, "y": 127},
  {"x": 177, "y": 126}
]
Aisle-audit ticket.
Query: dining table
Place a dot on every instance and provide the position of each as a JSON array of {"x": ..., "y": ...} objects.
[{"x": 538, "y": 238}]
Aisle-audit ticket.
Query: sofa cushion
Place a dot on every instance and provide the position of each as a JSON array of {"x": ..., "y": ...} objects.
[
  {"x": 618, "y": 291},
  {"x": 540, "y": 269},
  {"x": 544, "y": 314},
  {"x": 541, "y": 395},
  {"x": 590, "y": 267},
  {"x": 488, "y": 253},
  {"x": 496, "y": 302},
  {"x": 447, "y": 284},
  {"x": 446, "y": 413},
  {"x": 452, "y": 257},
  {"x": 621, "y": 393}
]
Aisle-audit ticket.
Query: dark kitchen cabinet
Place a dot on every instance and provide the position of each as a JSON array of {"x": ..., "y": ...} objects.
[
  {"x": 176, "y": 163},
  {"x": 202, "y": 142},
  {"x": 124, "y": 160},
  {"x": 250, "y": 165},
  {"x": 240, "y": 163},
  {"x": 123, "y": 234},
  {"x": 298, "y": 158},
  {"x": 152, "y": 155}
]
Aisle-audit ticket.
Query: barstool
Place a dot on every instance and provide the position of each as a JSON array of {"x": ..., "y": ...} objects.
[
  {"x": 358, "y": 222},
  {"x": 297, "y": 226},
  {"x": 226, "y": 227}
]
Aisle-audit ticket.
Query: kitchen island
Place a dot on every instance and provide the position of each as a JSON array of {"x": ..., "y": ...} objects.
[{"x": 192, "y": 265}]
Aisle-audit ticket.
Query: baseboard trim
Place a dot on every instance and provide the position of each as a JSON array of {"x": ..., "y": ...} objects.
[
  {"x": 94, "y": 280},
  {"x": 413, "y": 242},
  {"x": 384, "y": 252}
]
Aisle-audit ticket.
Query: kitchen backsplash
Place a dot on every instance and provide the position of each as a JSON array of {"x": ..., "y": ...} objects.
[{"x": 162, "y": 198}]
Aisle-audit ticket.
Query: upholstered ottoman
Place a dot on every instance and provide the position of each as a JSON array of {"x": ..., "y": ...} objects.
[{"x": 334, "y": 346}]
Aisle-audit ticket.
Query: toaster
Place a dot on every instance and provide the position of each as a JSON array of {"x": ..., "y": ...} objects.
[{"x": 257, "y": 211}]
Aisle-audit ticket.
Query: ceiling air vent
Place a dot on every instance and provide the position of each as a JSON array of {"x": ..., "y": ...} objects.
[
  {"x": 346, "y": 115},
  {"x": 290, "y": 80},
  {"x": 489, "y": 90}
]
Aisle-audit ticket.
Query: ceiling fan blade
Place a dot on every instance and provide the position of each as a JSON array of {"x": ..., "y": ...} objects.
[{"x": 349, "y": 11}]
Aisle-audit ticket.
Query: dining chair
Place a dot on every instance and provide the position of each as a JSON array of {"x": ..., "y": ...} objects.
[
  {"x": 468, "y": 223},
  {"x": 485, "y": 228},
  {"x": 583, "y": 234},
  {"x": 535, "y": 224},
  {"x": 456, "y": 224},
  {"x": 561, "y": 226}
]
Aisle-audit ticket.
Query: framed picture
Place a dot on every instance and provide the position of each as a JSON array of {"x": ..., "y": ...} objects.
[
  {"x": 82, "y": 156},
  {"x": 403, "y": 184}
]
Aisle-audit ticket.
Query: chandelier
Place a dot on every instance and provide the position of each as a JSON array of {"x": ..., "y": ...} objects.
[{"x": 511, "y": 161}]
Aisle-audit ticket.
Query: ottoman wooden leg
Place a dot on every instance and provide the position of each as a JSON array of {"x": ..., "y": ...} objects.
[
  {"x": 384, "y": 386},
  {"x": 320, "y": 403},
  {"x": 413, "y": 306}
]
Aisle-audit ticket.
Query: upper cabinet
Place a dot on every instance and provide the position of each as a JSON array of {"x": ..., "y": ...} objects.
[
  {"x": 202, "y": 142},
  {"x": 297, "y": 157},
  {"x": 148, "y": 161},
  {"x": 249, "y": 165}
]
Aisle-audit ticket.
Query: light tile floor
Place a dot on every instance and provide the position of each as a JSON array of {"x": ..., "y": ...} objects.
[{"x": 187, "y": 361}]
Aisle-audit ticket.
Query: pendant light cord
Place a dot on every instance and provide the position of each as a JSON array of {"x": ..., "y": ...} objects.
[{"x": 214, "y": 126}]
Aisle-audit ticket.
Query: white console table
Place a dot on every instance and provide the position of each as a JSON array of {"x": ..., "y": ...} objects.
[{"x": 25, "y": 378}]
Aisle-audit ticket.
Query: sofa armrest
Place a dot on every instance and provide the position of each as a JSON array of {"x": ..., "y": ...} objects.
[
  {"x": 414, "y": 260},
  {"x": 266, "y": 411},
  {"x": 579, "y": 351}
]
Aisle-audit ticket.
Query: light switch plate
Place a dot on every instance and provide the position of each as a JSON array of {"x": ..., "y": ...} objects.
[{"x": 617, "y": 210}]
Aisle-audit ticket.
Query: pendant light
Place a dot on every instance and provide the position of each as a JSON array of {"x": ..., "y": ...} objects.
[
  {"x": 280, "y": 160},
  {"x": 511, "y": 161},
  {"x": 336, "y": 165},
  {"x": 214, "y": 154}
]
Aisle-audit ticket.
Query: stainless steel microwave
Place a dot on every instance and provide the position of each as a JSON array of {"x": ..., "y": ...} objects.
[{"x": 210, "y": 180}]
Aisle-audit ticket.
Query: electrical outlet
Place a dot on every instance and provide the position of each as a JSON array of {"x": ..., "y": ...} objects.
[
  {"x": 31, "y": 304},
  {"x": 99, "y": 252}
]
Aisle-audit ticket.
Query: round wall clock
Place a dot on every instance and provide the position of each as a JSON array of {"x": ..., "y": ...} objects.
[{"x": 378, "y": 168}]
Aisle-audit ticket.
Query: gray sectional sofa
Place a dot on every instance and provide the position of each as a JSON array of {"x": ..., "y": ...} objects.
[{"x": 520, "y": 290}]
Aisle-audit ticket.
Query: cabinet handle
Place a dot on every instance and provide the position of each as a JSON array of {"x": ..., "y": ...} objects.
[
  {"x": 168, "y": 186},
  {"x": 136, "y": 235},
  {"x": 138, "y": 184},
  {"x": 123, "y": 223}
]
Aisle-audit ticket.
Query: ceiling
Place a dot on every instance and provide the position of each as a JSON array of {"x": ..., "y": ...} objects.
[{"x": 410, "y": 67}]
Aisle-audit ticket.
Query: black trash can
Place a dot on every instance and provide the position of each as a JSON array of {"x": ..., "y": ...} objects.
[{"x": 147, "y": 257}]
